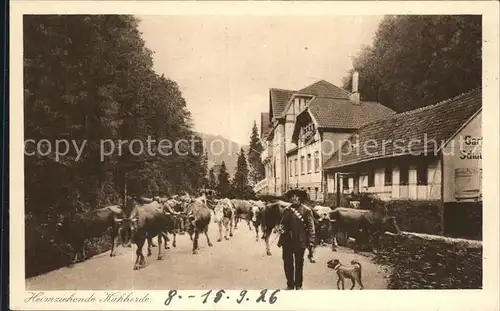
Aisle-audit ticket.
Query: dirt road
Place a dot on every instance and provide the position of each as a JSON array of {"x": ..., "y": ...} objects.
[{"x": 235, "y": 264}]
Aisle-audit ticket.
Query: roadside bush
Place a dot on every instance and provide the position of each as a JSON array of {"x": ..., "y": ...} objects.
[
  {"x": 416, "y": 216},
  {"x": 43, "y": 255},
  {"x": 331, "y": 200},
  {"x": 431, "y": 262}
]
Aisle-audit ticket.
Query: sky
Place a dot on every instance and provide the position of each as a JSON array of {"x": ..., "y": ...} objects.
[{"x": 225, "y": 65}]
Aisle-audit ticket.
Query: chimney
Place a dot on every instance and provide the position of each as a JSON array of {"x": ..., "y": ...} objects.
[{"x": 355, "y": 93}]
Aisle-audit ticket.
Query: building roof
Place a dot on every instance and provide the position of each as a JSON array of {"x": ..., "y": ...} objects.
[
  {"x": 324, "y": 88},
  {"x": 423, "y": 126},
  {"x": 346, "y": 114},
  {"x": 334, "y": 113},
  {"x": 265, "y": 124},
  {"x": 292, "y": 151},
  {"x": 278, "y": 98}
]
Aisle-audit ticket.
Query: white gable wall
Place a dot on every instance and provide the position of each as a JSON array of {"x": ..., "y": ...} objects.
[{"x": 462, "y": 164}]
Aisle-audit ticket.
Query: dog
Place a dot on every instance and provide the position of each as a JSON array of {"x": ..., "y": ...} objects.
[{"x": 352, "y": 272}]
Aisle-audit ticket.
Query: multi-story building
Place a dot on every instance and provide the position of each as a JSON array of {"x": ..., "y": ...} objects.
[
  {"x": 430, "y": 154},
  {"x": 304, "y": 128}
]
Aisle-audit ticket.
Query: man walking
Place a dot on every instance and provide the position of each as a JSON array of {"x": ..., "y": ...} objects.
[{"x": 297, "y": 234}]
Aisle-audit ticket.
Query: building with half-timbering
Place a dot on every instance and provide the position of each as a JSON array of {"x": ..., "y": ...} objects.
[
  {"x": 304, "y": 128},
  {"x": 431, "y": 154}
]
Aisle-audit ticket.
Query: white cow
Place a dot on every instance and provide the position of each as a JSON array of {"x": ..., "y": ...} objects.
[{"x": 224, "y": 216}]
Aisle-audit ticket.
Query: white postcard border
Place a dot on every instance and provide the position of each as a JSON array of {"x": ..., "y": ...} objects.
[{"x": 485, "y": 299}]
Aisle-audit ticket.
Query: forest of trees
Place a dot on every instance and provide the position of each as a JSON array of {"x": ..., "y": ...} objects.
[
  {"x": 91, "y": 78},
  {"x": 418, "y": 60},
  {"x": 236, "y": 188},
  {"x": 249, "y": 171}
]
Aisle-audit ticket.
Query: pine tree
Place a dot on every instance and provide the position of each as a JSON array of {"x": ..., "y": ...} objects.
[
  {"x": 240, "y": 182},
  {"x": 223, "y": 185},
  {"x": 212, "y": 181},
  {"x": 257, "y": 172},
  {"x": 204, "y": 170}
]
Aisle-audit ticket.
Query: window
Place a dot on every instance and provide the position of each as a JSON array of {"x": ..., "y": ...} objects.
[
  {"x": 309, "y": 164},
  {"x": 306, "y": 132},
  {"x": 422, "y": 173},
  {"x": 371, "y": 178},
  {"x": 388, "y": 176},
  {"x": 316, "y": 190},
  {"x": 290, "y": 168},
  {"x": 345, "y": 183},
  {"x": 302, "y": 163},
  {"x": 296, "y": 171},
  {"x": 274, "y": 167},
  {"x": 316, "y": 161},
  {"x": 403, "y": 174}
]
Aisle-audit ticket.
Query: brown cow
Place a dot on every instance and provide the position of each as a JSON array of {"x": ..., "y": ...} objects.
[
  {"x": 322, "y": 223},
  {"x": 147, "y": 221},
  {"x": 361, "y": 224},
  {"x": 198, "y": 218},
  {"x": 271, "y": 218},
  {"x": 126, "y": 230},
  {"x": 174, "y": 208},
  {"x": 243, "y": 210},
  {"x": 79, "y": 227}
]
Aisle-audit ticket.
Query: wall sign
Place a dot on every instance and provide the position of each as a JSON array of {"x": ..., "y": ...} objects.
[{"x": 470, "y": 148}]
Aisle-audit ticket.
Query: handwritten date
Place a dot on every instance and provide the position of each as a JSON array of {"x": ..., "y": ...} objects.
[{"x": 209, "y": 296}]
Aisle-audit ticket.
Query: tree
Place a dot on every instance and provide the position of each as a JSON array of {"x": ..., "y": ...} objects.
[
  {"x": 204, "y": 170},
  {"x": 240, "y": 185},
  {"x": 212, "y": 181},
  {"x": 90, "y": 78},
  {"x": 257, "y": 171},
  {"x": 223, "y": 185},
  {"x": 417, "y": 60}
]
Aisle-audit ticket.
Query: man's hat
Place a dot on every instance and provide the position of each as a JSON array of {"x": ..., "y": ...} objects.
[{"x": 303, "y": 196}]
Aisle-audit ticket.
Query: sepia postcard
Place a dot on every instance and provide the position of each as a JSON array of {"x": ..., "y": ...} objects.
[{"x": 229, "y": 155}]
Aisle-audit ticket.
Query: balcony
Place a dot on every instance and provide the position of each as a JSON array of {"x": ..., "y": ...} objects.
[
  {"x": 261, "y": 186},
  {"x": 266, "y": 153}
]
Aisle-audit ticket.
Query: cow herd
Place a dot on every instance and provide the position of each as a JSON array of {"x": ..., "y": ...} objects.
[{"x": 142, "y": 219}]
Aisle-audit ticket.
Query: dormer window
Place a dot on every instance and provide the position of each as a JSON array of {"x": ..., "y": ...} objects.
[{"x": 300, "y": 103}]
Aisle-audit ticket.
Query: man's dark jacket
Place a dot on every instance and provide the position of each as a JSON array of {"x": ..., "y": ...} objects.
[{"x": 297, "y": 233}]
